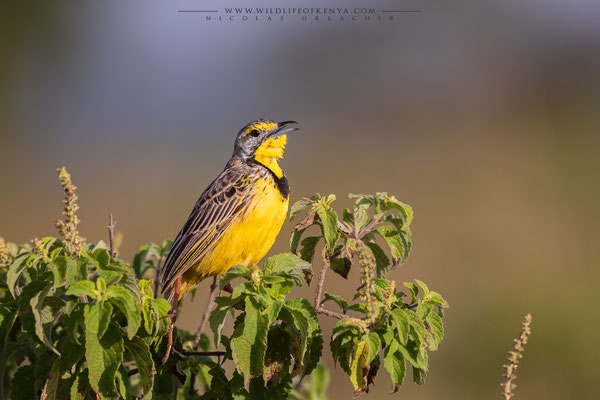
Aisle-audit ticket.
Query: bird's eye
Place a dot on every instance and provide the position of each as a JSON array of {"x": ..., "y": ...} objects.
[{"x": 254, "y": 133}]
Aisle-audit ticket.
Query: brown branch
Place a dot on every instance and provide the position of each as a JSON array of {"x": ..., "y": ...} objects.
[
  {"x": 319, "y": 293},
  {"x": 306, "y": 222},
  {"x": 111, "y": 236},
  {"x": 207, "y": 310},
  {"x": 203, "y": 353}
]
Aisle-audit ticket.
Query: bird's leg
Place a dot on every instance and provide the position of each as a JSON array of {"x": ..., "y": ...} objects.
[{"x": 173, "y": 315}]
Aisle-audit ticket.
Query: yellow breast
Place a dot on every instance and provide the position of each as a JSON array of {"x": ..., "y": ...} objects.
[{"x": 248, "y": 238}]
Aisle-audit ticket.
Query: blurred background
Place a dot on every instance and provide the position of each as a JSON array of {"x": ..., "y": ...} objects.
[{"x": 484, "y": 117}]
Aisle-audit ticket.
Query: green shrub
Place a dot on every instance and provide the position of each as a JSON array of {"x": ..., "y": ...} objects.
[{"x": 77, "y": 322}]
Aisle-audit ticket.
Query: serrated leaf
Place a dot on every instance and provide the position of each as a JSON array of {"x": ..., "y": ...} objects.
[
  {"x": 340, "y": 264},
  {"x": 123, "y": 299},
  {"x": 419, "y": 375},
  {"x": 82, "y": 288},
  {"x": 80, "y": 386},
  {"x": 400, "y": 321},
  {"x": 239, "y": 271},
  {"x": 373, "y": 344},
  {"x": 37, "y": 305},
  {"x": 217, "y": 316},
  {"x": 59, "y": 270},
  {"x": 249, "y": 340},
  {"x": 18, "y": 266},
  {"x": 435, "y": 298},
  {"x": 412, "y": 352},
  {"x": 359, "y": 367},
  {"x": 298, "y": 206},
  {"x": 423, "y": 286},
  {"x": 399, "y": 247},
  {"x": 394, "y": 365},
  {"x": 436, "y": 329},
  {"x": 414, "y": 290},
  {"x": 308, "y": 246},
  {"x": 104, "y": 356},
  {"x": 55, "y": 388},
  {"x": 329, "y": 226},
  {"x": 417, "y": 326},
  {"x": 289, "y": 266},
  {"x": 339, "y": 300},
  {"x": 301, "y": 315},
  {"x": 140, "y": 352},
  {"x": 361, "y": 219},
  {"x": 97, "y": 318},
  {"x": 381, "y": 260}
]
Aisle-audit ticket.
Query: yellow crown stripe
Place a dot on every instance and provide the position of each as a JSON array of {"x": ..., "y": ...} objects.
[{"x": 261, "y": 126}]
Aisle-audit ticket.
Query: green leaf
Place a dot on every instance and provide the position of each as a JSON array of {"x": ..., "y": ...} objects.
[
  {"x": 298, "y": 206},
  {"x": 7, "y": 320},
  {"x": 414, "y": 290},
  {"x": 22, "y": 384},
  {"x": 97, "y": 318},
  {"x": 249, "y": 340},
  {"x": 394, "y": 365},
  {"x": 37, "y": 306},
  {"x": 398, "y": 245},
  {"x": 412, "y": 352},
  {"x": 80, "y": 386},
  {"x": 309, "y": 245},
  {"x": 104, "y": 356},
  {"x": 77, "y": 269},
  {"x": 140, "y": 352},
  {"x": 52, "y": 388},
  {"x": 405, "y": 210},
  {"x": 373, "y": 345},
  {"x": 82, "y": 288},
  {"x": 123, "y": 299},
  {"x": 18, "y": 266},
  {"x": 381, "y": 260},
  {"x": 359, "y": 367},
  {"x": 419, "y": 375},
  {"x": 217, "y": 316},
  {"x": 329, "y": 226},
  {"x": 339, "y": 262},
  {"x": 59, "y": 270},
  {"x": 301, "y": 315},
  {"x": 238, "y": 271},
  {"x": 319, "y": 381},
  {"x": 339, "y": 300},
  {"x": 71, "y": 353},
  {"x": 436, "y": 329},
  {"x": 288, "y": 265},
  {"x": 423, "y": 286},
  {"x": 400, "y": 321},
  {"x": 417, "y": 326},
  {"x": 361, "y": 219},
  {"x": 435, "y": 298}
]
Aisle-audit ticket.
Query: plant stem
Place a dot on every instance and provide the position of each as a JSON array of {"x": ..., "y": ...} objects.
[
  {"x": 209, "y": 307},
  {"x": 319, "y": 293},
  {"x": 111, "y": 236}
]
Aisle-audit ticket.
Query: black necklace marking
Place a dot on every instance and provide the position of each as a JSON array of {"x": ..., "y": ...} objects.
[{"x": 281, "y": 183}]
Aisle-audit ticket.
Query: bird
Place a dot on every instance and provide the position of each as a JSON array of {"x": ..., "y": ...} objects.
[{"x": 237, "y": 217}]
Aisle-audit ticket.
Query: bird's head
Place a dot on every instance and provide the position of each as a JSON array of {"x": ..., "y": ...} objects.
[{"x": 264, "y": 141}]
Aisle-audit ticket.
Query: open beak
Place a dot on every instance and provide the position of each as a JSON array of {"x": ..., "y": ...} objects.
[{"x": 283, "y": 128}]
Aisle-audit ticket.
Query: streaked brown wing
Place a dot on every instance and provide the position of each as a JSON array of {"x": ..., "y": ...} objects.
[{"x": 217, "y": 206}]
